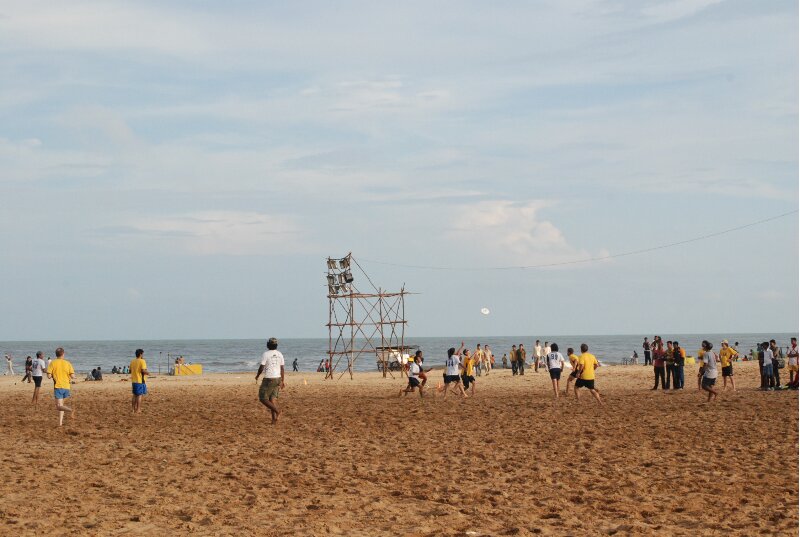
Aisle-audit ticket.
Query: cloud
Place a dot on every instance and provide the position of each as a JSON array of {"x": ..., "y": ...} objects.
[
  {"x": 676, "y": 9},
  {"x": 512, "y": 232},
  {"x": 212, "y": 233}
]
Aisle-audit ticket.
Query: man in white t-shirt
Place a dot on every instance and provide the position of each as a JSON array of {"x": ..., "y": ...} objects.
[
  {"x": 554, "y": 361},
  {"x": 537, "y": 355},
  {"x": 710, "y": 359},
  {"x": 38, "y": 367},
  {"x": 272, "y": 365}
]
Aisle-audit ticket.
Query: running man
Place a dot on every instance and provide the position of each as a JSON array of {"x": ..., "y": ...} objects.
[
  {"x": 468, "y": 372},
  {"x": 138, "y": 369},
  {"x": 451, "y": 371},
  {"x": 414, "y": 374},
  {"x": 587, "y": 363},
  {"x": 62, "y": 373},
  {"x": 573, "y": 361},
  {"x": 709, "y": 371},
  {"x": 554, "y": 362},
  {"x": 38, "y": 367},
  {"x": 272, "y": 365},
  {"x": 726, "y": 357}
]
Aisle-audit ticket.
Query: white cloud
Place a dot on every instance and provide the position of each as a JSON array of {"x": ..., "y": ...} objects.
[
  {"x": 512, "y": 232},
  {"x": 676, "y": 9},
  {"x": 215, "y": 232}
]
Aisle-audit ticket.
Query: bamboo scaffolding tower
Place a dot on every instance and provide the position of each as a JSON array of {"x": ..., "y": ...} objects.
[{"x": 370, "y": 322}]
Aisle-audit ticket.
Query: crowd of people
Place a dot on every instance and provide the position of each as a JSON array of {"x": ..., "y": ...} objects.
[{"x": 669, "y": 362}]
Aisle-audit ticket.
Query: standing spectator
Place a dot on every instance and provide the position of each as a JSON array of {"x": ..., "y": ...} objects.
[
  {"x": 659, "y": 366},
  {"x": 489, "y": 355},
  {"x": 777, "y": 358},
  {"x": 514, "y": 358},
  {"x": 521, "y": 356},
  {"x": 680, "y": 360},
  {"x": 765, "y": 361},
  {"x": 669, "y": 358},
  {"x": 537, "y": 355},
  {"x": 38, "y": 367},
  {"x": 792, "y": 356},
  {"x": 28, "y": 366},
  {"x": 647, "y": 353},
  {"x": 505, "y": 361},
  {"x": 10, "y": 370},
  {"x": 477, "y": 360},
  {"x": 726, "y": 356},
  {"x": 709, "y": 371}
]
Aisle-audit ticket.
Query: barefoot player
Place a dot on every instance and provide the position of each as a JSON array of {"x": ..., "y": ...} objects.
[
  {"x": 38, "y": 367},
  {"x": 587, "y": 364},
  {"x": 62, "y": 373},
  {"x": 272, "y": 365},
  {"x": 138, "y": 369}
]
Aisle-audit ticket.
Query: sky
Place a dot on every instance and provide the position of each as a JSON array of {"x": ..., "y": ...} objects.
[{"x": 183, "y": 169}]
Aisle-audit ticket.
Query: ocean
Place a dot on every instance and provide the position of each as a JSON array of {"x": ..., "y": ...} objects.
[{"x": 240, "y": 355}]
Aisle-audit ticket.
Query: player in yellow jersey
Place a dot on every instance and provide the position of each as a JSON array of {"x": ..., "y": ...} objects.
[
  {"x": 62, "y": 373},
  {"x": 726, "y": 355},
  {"x": 138, "y": 369},
  {"x": 587, "y": 363},
  {"x": 573, "y": 361}
]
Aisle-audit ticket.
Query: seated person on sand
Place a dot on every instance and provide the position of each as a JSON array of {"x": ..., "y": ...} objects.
[
  {"x": 97, "y": 374},
  {"x": 90, "y": 376},
  {"x": 114, "y": 370}
]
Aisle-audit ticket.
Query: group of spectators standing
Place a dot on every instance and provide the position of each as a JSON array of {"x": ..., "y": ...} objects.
[{"x": 669, "y": 360}]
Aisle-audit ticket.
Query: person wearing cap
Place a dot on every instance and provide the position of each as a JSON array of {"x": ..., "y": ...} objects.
[
  {"x": 272, "y": 365},
  {"x": 726, "y": 355},
  {"x": 709, "y": 371}
]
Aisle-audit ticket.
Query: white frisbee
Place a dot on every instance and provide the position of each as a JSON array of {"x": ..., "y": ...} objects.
[{"x": 485, "y": 311}]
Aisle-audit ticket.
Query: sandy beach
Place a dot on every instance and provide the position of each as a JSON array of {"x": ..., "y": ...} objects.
[{"x": 350, "y": 458}]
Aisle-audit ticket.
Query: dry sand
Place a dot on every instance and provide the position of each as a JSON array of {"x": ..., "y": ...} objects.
[{"x": 350, "y": 458}]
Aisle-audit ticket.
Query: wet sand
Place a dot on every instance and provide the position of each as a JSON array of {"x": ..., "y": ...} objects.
[{"x": 350, "y": 458}]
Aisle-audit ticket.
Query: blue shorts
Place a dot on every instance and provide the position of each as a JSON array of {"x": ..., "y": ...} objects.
[
  {"x": 139, "y": 388},
  {"x": 61, "y": 393}
]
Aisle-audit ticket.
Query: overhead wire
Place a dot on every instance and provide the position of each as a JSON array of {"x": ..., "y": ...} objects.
[{"x": 587, "y": 259}]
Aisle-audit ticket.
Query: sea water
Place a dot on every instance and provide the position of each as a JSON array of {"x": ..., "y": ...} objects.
[{"x": 240, "y": 355}]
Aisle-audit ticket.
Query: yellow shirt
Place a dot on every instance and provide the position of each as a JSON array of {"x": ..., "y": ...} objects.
[
  {"x": 137, "y": 366},
  {"x": 573, "y": 360},
  {"x": 725, "y": 355},
  {"x": 589, "y": 363},
  {"x": 467, "y": 363},
  {"x": 60, "y": 369},
  {"x": 513, "y": 355}
]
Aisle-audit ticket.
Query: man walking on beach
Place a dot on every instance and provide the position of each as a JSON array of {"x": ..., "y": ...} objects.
[
  {"x": 587, "y": 363},
  {"x": 647, "y": 356},
  {"x": 709, "y": 371},
  {"x": 537, "y": 356},
  {"x": 138, "y": 369},
  {"x": 62, "y": 373},
  {"x": 521, "y": 356},
  {"x": 38, "y": 367},
  {"x": 294, "y": 365},
  {"x": 272, "y": 365}
]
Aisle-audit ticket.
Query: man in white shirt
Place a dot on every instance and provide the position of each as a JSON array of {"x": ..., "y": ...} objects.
[
  {"x": 537, "y": 355},
  {"x": 272, "y": 365},
  {"x": 554, "y": 361},
  {"x": 10, "y": 370},
  {"x": 38, "y": 367},
  {"x": 709, "y": 370},
  {"x": 489, "y": 356}
]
